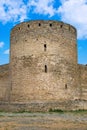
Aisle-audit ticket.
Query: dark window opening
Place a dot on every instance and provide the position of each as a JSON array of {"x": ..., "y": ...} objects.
[
  {"x": 39, "y": 24},
  {"x": 50, "y": 24},
  {"x": 65, "y": 86},
  {"x": 61, "y": 26},
  {"x": 19, "y": 28},
  {"x": 45, "y": 47},
  {"x": 28, "y": 25},
  {"x": 45, "y": 68}
]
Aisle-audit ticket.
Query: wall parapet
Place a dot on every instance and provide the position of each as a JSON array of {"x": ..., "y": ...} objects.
[
  {"x": 4, "y": 68},
  {"x": 39, "y": 24}
]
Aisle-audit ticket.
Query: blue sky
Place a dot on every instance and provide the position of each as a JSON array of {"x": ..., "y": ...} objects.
[{"x": 13, "y": 12}]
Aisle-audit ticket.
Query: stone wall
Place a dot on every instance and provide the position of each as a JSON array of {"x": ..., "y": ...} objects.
[
  {"x": 43, "y": 62},
  {"x": 4, "y": 83},
  {"x": 43, "y": 73},
  {"x": 82, "y": 69}
]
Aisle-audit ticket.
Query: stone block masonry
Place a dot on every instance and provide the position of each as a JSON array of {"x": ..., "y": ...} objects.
[{"x": 43, "y": 68}]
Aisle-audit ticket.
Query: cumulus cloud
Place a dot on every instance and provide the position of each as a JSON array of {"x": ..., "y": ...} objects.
[
  {"x": 70, "y": 11},
  {"x": 44, "y": 7},
  {"x": 75, "y": 12},
  {"x": 1, "y": 44},
  {"x": 18, "y": 10},
  {"x": 12, "y": 10},
  {"x": 6, "y": 51}
]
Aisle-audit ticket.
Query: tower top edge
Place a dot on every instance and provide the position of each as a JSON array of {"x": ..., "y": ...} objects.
[{"x": 53, "y": 23}]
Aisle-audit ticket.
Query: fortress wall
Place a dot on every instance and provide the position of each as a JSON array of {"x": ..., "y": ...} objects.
[
  {"x": 42, "y": 73},
  {"x": 4, "y": 83},
  {"x": 83, "y": 81}
]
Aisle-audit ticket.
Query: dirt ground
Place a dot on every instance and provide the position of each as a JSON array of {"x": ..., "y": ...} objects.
[{"x": 43, "y": 121}]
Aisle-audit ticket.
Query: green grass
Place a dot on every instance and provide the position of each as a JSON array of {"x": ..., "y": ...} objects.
[
  {"x": 56, "y": 110},
  {"x": 80, "y": 111}
]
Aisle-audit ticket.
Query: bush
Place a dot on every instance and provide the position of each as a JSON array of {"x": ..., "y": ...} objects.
[{"x": 56, "y": 110}]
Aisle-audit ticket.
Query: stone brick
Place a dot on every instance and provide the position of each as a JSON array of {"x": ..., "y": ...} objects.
[{"x": 43, "y": 72}]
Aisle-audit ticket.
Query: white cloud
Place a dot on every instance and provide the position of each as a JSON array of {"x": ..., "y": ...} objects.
[
  {"x": 44, "y": 7},
  {"x": 18, "y": 10},
  {"x": 71, "y": 11},
  {"x": 12, "y": 10},
  {"x": 1, "y": 44},
  {"x": 6, "y": 51},
  {"x": 75, "y": 13}
]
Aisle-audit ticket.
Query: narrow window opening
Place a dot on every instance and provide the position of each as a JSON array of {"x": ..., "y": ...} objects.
[
  {"x": 45, "y": 47},
  {"x": 65, "y": 86},
  {"x": 39, "y": 24},
  {"x": 28, "y": 25},
  {"x": 50, "y": 24},
  {"x": 45, "y": 68},
  {"x": 61, "y": 26},
  {"x": 19, "y": 28}
]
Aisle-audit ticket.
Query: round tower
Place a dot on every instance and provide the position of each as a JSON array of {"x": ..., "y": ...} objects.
[{"x": 43, "y": 62}]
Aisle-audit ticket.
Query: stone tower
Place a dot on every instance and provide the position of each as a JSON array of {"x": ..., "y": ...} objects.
[{"x": 43, "y": 62}]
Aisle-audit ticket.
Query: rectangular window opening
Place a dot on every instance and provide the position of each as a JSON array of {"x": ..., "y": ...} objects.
[
  {"x": 45, "y": 68},
  {"x": 45, "y": 47}
]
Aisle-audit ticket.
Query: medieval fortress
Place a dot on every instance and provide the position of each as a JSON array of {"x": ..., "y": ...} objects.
[{"x": 43, "y": 72}]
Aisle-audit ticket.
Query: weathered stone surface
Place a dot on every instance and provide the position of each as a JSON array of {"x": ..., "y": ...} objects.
[
  {"x": 43, "y": 45},
  {"x": 4, "y": 83},
  {"x": 83, "y": 81},
  {"x": 43, "y": 66}
]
